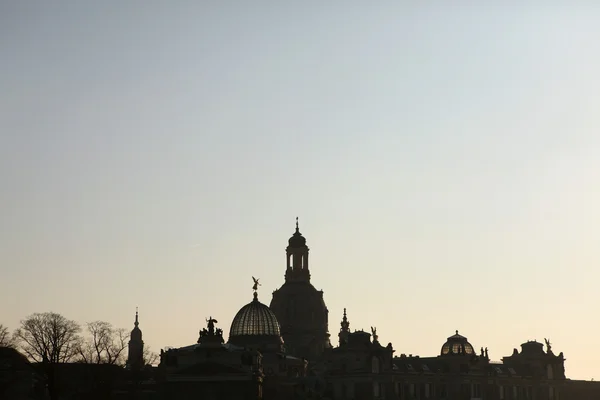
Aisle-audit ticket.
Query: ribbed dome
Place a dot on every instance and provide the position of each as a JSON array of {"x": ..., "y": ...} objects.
[
  {"x": 457, "y": 344},
  {"x": 254, "y": 319}
]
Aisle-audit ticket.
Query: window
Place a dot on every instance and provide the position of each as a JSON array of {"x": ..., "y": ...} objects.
[
  {"x": 442, "y": 391},
  {"x": 476, "y": 390},
  {"x": 512, "y": 371},
  {"x": 550, "y": 372},
  {"x": 426, "y": 368},
  {"x": 375, "y": 365},
  {"x": 376, "y": 388},
  {"x": 501, "y": 392},
  {"x": 427, "y": 391}
]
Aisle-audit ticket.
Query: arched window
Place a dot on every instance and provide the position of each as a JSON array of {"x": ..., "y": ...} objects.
[
  {"x": 550, "y": 372},
  {"x": 375, "y": 365}
]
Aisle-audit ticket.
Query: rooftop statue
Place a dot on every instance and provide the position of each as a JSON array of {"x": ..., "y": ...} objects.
[
  {"x": 256, "y": 284},
  {"x": 211, "y": 325},
  {"x": 548, "y": 345},
  {"x": 374, "y": 332}
]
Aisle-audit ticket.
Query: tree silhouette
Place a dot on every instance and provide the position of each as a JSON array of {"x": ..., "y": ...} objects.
[
  {"x": 49, "y": 337},
  {"x": 105, "y": 344},
  {"x": 149, "y": 356},
  {"x": 6, "y": 340}
]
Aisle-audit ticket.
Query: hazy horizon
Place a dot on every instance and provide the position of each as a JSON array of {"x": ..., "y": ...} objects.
[{"x": 443, "y": 161}]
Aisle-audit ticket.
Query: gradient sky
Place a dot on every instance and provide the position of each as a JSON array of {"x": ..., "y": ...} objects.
[{"x": 443, "y": 158}]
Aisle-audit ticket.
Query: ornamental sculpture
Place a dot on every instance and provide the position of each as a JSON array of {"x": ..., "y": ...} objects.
[{"x": 256, "y": 284}]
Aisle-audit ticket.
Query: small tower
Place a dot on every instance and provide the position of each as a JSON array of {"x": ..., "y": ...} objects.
[
  {"x": 344, "y": 331},
  {"x": 135, "y": 358},
  {"x": 297, "y": 258}
]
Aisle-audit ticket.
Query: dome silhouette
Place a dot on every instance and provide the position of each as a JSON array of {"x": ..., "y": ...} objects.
[
  {"x": 255, "y": 326},
  {"x": 457, "y": 344}
]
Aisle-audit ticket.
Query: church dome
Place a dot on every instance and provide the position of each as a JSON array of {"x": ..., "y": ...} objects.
[
  {"x": 255, "y": 326},
  {"x": 457, "y": 344}
]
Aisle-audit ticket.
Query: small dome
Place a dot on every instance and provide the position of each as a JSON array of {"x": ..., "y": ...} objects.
[
  {"x": 255, "y": 326},
  {"x": 297, "y": 240},
  {"x": 136, "y": 334},
  {"x": 457, "y": 344}
]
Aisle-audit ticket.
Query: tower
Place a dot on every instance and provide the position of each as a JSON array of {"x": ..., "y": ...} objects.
[
  {"x": 297, "y": 258},
  {"x": 344, "y": 330},
  {"x": 135, "y": 358},
  {"x": 299, "y": 307}
]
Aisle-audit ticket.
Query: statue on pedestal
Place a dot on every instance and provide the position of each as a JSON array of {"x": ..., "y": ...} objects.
[
  {"x": 256, "y": 284},
  {"x": 548, "y": 346},
  {"x": 374, "y": 332},
  {"x": 211, "y": 325}
]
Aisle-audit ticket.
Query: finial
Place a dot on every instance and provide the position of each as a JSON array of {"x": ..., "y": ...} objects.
[
  {"x": 136, "y": 317},
  {"x": 344, "y": 312},
  {"x": 457, "y": 331},
  {"x": 297, "y": 228}
]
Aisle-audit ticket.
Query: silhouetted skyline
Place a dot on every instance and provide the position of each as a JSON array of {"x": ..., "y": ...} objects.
[{"x": 442, "y": 160}]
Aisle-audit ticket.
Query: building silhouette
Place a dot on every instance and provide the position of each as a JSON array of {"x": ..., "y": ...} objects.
[
  {"x": 283, "y": 351},
  {"x": 135, "y": 355},
  {"x": 298, "y": 306}
]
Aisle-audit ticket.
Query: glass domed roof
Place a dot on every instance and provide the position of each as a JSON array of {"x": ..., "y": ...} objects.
[
  {"x": 457, "y": 344},
  {"x": 254, "y": 319}
]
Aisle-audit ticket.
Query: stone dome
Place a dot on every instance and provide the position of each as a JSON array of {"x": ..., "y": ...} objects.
[
  {"x": 457, "y": 344},
  {"x": 303, "y": 317},
  {"x": 255, "y": 326},
  {"x": 297, "y": 240}
]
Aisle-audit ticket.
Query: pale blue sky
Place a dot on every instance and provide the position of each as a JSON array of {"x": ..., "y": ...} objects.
[{"x": 442, "y": 158}]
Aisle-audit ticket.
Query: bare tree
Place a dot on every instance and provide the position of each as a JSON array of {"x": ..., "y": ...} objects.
[
  {"x": 49, "y": 337},
  {"x": 105, "y": 344},
  {"x": 149, "y": 356},
  {"x": 6, "y": 340}
]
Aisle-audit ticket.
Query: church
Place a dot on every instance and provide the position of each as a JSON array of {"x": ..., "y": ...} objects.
[{"x": 284, "y": 351}]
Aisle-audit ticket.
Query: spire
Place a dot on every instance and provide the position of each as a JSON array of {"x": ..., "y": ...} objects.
[
  {"x": 345, "y": 324},
  {"x": 345, "y": 330},
  {"x": 135, "y": 359}
]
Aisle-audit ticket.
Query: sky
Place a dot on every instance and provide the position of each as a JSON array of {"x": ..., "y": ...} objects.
[{"x": 442, "y": 158}]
